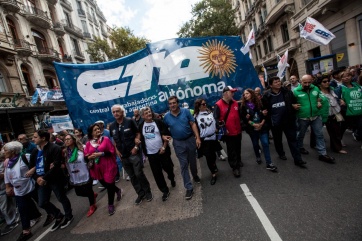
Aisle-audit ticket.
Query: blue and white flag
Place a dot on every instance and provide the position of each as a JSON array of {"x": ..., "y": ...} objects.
[{"x": 189, "y": 68}]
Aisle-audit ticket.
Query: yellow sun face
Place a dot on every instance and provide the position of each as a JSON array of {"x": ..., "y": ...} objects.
[{"x": 217, "y": 58}]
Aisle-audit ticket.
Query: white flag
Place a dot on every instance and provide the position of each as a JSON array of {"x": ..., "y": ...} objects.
[
  {"x": 314, "y": 31},
  {"x": 282, "y": 65},
  {"x": 251, "y": 41},
  {"x": 265, "y": 74}
]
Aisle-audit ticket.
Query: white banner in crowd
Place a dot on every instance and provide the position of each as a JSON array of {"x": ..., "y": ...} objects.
[
  {"x": 62, "y": 122},
  {"x": 282, "y": 65},
  {"x": 251, "y": 41},
  {"x": 314, "y": 31}
]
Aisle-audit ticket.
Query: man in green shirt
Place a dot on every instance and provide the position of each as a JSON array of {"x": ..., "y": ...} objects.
[{"x": 308, "y": 114}]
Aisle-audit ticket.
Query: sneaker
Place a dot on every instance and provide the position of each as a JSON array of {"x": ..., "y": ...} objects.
[
  {"x": 24, "y": 236},
  {"x": 355, "y": 136},
  {"x": 165, "y": 196},
  {"x": 213, "y": 180},
  {"x": 197, "y": 179},
  {"x": 57, "y": 223},
  {"x": 300, "y": 163},
  {"x": 222, "y": 158},
  {"x": 139, "y": 200},
  {"x": 149, "y": 197},
  {"x": 92, "y": 209},
  {"x": 271, "y": 167},
  {"x": 119, "y": 194},
  {"x": 117, "y": 179},
  {"x": 189, "y": 194},
  {"x": 8, "y": 228},
  {"x": 173, "y": 183},
  {"x": 111, "y": 210},
  {"x": 95, "y": 182},
  {"x": 66, "y": 222},
  {"x": 34, "y": 221},
  {"x": 258, "y": 160},
  {"x": 49, "y": 220},
  {"x": 127, "y": 178}
]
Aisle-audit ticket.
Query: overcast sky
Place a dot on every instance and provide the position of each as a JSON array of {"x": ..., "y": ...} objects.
[{"x": 154, "y": 19}]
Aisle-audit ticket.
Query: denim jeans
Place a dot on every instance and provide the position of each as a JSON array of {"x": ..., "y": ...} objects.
[
  {"x": 44, "y": 193},
  {"x": 317, "y": 127},
  {"x": 263, "y": 136},
  {"x": 186, "y": 153}
]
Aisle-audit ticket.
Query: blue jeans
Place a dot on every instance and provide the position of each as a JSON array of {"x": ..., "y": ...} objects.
[
  {"x": 186, "y": 153},
  {"x": 317, "y": 127},
  {"x": 263, "y": 136},
  {"x": 44, "y": 193}
]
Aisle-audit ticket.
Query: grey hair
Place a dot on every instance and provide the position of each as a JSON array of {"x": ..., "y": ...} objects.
[
  {"x": 120, "y": 107},
  {"x": 142, "y": 110},
  {"x": 14, "y": 146}
]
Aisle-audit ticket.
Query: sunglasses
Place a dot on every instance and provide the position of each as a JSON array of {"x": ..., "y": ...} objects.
[
  {"x": 325, "y": 81},
  {"x": 203, "y": 104}
]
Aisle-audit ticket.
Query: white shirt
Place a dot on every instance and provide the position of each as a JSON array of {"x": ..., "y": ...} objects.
[
  {"x": 152, "y": 136},
  {"x": 16, "y": 177},
  {"x": 207, "y": 125}
]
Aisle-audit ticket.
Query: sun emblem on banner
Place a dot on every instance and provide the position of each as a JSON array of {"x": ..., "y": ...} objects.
[{"x": 217, "y": 58}]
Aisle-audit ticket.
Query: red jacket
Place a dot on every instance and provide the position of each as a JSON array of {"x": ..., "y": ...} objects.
[{"x": 233, "y": 123}]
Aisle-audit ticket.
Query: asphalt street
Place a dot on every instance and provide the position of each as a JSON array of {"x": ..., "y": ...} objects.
[{"x": 320, "y": 202}]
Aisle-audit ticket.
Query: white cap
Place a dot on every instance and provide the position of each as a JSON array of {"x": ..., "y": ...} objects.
[{"x": 99, "y": 122}]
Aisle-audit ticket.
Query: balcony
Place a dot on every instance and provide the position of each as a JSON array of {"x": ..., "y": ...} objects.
[
  {"x": 22, "y": 47},
  {"x": 87, "y": 35},
  {"x": 58, "y": 29},
  {"x": 52, "y": 2},
  {"x": 47, "y": 55},
  {"x": 278, "y": 10},
  {"x": 78, "y": 55},
  {"x": 81, "y": 12},
  {"x": 71, "y": 28},
  {"x": 96, "y": 22},
  {"x": 101, "y": 15},
  {"x": 67, "y": 58},
  {"x": 10, "y": 5},
  {"x": 37, "y": 17},
  {"x": 66, "y": 4}
]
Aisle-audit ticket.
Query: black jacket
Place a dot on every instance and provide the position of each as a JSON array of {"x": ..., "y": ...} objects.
[
  {"x": 124, "y": 135},
  {"x": 52, "y": 153},
  {"x": 289, "y": 99},
  {"x": 163, "y": 131},
  {"x": 245, "y": 111}
]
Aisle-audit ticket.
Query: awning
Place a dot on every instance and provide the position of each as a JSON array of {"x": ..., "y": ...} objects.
[{"x": 31, "y": 110}]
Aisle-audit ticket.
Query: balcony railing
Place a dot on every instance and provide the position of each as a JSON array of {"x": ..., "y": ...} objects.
[
  {"x": 10, "y": 5},
  {"x": 104, "y": 33},
  {"x": 22, "y": 47},
  {"x": 96, "y": 22},
  {"x": 87, "y": 35},
  {"x": 81, "y": 12},
  {"x": 58, "y": 28},
  {"x": 78, "y": 55},
  {"x": 48, "y": 51},
  {"x": 66, "y": 4},
  {"x": 37, "y": 16},
  {"x": 101, "y": 15},
  {"x": 70, "y": 27}
]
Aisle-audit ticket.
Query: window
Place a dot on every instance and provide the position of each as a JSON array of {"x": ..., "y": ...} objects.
[
  {"x": 305, "y": 2},
  {"x": 40, "y": 41},
  {"x": 12, "y": 28},
  {"x": 26, "y": 76},
  {"x": 259, "y": 51},
  {"x": 265, "y": 45},
  {"x": 285, "y": 34},
  {"x": 69, "y": 19},
  {"x": 75, "y": 46},
  {"x": 270, "y": 44},
  {"x": 84, "y": 26},
  {"x": 261, "y": 19},
  {"x": 256, "y": 54},
  {"x": 3, "y": 87}
]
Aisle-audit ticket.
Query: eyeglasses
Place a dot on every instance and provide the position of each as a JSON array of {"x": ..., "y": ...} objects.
[
  {"x": 68, "y": 139},
  {"x": 325, "y": 81},
  {"x": 203, "y": 104}
]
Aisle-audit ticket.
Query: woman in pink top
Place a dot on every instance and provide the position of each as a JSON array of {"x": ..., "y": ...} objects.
[{"x": 101, "y": 157}]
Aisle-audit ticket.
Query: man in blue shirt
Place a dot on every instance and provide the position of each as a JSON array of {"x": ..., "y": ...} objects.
[{"x": 183, "y": 131}]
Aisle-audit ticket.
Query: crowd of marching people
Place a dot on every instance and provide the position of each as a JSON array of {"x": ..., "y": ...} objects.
[{"x": 31, "y": 170}]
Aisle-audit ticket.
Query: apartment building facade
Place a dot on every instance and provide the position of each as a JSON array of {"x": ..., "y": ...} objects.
[
  {"x": 33, "y": 34},
  {"x": 276, "y": 27}
]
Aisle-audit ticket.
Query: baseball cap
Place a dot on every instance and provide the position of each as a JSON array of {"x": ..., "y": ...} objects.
[
  {"x": 227, "y": 88},
  {"x": 286, "y": 83},
  {"x": 99, "y": 122}
]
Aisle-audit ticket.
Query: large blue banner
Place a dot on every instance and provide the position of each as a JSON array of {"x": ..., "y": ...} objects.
[{"x": 189, "y": 68}]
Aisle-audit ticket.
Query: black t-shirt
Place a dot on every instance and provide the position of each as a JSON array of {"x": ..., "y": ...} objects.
[
  {"x": 278, "y": 109},
  {"x": 124, "y": 135}
]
